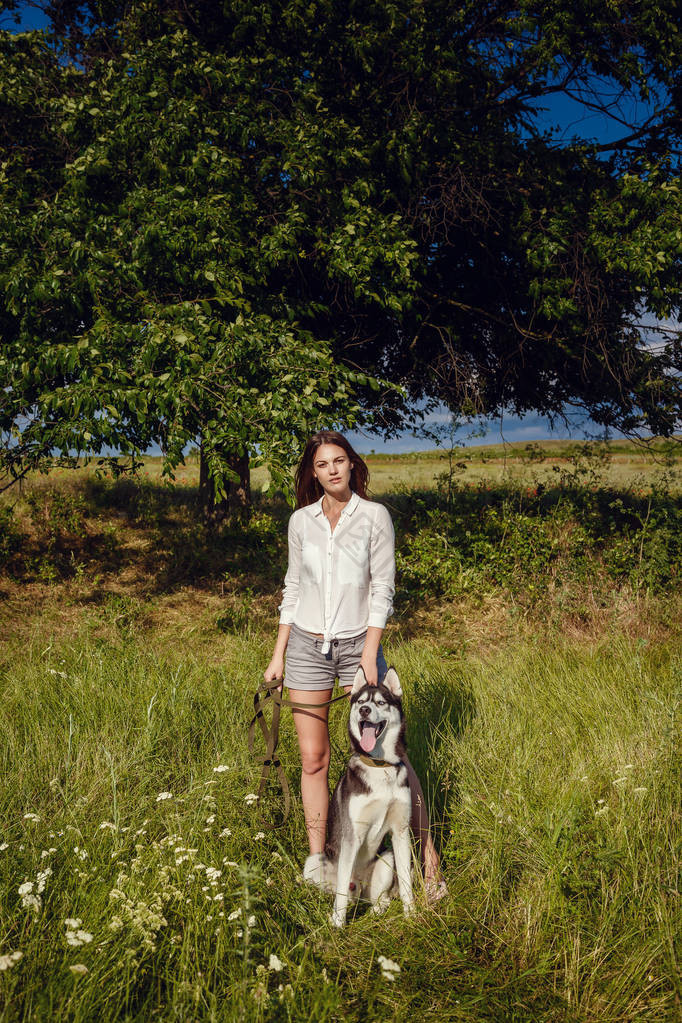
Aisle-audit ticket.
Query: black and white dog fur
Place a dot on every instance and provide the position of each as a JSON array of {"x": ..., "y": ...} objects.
[{"x": 371, "y": 799}]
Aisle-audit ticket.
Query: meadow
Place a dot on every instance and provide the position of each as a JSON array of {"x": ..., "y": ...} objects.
[{"x": 537, "y": 635}]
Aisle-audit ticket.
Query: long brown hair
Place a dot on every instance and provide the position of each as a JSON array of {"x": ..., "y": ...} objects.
[{"x": 308, "y": 489}]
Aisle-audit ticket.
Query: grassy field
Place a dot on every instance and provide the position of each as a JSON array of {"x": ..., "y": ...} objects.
[{"x": 537, "y": 637}]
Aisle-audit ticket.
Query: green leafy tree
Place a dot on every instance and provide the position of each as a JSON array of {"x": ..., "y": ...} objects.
[
  {"x": 220, "y": 218},
  {"x": 136, "y": 268}
]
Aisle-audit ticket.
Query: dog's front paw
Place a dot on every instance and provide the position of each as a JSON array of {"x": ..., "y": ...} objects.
[{"x": 337, "y": 919}]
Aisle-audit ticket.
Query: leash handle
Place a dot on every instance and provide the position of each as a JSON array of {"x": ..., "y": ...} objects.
[{"x": 271, "y": 691}]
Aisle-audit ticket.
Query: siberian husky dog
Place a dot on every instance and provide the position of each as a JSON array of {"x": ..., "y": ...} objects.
[{"x": 371, "y": 799}]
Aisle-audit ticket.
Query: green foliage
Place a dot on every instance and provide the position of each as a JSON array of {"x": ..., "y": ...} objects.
[
  {"x": 9, "y": 536},
  {"x": 229, "y": 224},
  {"x": 473, "y": 539}
]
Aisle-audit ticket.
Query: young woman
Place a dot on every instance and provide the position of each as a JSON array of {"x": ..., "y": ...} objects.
[{"x": 338, "y": 594}]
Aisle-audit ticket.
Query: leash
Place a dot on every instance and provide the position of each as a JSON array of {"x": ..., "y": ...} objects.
[{"x": 270, "y": 691}]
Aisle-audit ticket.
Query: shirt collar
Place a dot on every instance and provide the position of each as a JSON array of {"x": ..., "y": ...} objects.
[{"x": 348, "y": 510}]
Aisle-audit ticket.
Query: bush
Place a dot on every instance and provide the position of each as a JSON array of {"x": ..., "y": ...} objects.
[{"x": 482, "y": 537}]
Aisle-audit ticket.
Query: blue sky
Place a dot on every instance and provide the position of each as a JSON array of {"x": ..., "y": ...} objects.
[{"x": 565, "y": 118}]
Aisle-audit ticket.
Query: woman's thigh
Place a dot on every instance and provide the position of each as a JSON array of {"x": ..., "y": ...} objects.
[{"x": 311, "y": 723}]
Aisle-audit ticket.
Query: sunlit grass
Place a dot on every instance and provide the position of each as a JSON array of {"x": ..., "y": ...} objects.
[
  {"x": 537, "y": 637},
  {"x": 161, "y": 891}
]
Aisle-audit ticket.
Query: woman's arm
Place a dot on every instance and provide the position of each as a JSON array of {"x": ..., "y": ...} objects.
[
  {"x": 368, "y": 661},
  {"x": 275, "y": 669},
  {"x": 382, "y": 588}
]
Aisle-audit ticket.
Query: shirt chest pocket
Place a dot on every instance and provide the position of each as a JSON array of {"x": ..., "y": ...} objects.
[
  {"x": 353, "y": 561},
  {"x": 311, "y": 567}
]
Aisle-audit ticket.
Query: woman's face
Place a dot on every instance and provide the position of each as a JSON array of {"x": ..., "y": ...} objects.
[{"x": 332, "y": 466}]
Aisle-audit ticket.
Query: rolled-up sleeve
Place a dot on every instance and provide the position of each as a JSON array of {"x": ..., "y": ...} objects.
[
  {"x": 381, "y": 569},
  {"x": 287, "y": 609}
]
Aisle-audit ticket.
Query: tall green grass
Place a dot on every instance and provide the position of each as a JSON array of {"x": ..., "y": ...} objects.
[{"x": 554, "y": 776}]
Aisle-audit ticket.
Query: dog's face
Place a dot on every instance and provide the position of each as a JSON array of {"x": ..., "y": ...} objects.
[{"x": 376, "y": 725}]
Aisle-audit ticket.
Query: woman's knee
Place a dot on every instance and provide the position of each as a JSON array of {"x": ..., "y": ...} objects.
[{"x": 314, "y": 761}]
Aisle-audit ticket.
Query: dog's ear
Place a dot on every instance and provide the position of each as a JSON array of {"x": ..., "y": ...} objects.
[
  {"x": 392, "y": 683},
  {"x": 359, "y": 681}
]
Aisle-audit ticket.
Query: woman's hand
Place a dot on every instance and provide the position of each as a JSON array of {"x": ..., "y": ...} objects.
[
  {"x": 369, "y": 666},
  {"x": 368, "y": 661},
  {"x": 275, "y": 670}
]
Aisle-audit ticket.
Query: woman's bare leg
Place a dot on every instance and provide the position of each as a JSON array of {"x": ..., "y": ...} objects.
[{"x": 313, "y": 741}]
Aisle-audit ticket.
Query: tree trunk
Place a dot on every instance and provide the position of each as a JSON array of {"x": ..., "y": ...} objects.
[{"x": 238, "y": 498}]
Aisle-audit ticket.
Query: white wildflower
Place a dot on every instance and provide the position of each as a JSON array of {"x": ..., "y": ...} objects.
[
  {"x": 235, "y": 914},
  {"x": 163, "y": 795},
  {"x": 10, "y": 960},
  {"x": 389, "y": 969},
  {"x": 274, "y": 963},
  {"x": 108, "y": 825},
  {"x": 619, "y": 781},
  {"x": 251, "y": 922},
  {"x": 221, "y": 768},
  {"x": 73, "y": 922},
  {"x": 250, "y": 798},
  {"x": 225, "y": 833},
  {"x": 230, "y": 863},
  {"x": 239, "y": 933},
  {"x": 601, "y": 811},
  {"x": 79, "y": 969},
  {"x": 82, "y": 854},
  {"x": 212, "y": 873},
  {"x": 640, "y": 790},
  {"x": 258, "y": 836},
  {"x": 31, "y": 817},
  {"x": 41, "y": 879},
  {"x": 211, "y": 819},
  {"x": 29, "y": 900},
  {"x": 77, "y": 938},
  {"x": 3, "y": 846},
  {"x": 276, "y": 856}
]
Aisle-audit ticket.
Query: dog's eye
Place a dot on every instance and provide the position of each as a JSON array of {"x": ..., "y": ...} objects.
[{"x": 380, "y": 703}]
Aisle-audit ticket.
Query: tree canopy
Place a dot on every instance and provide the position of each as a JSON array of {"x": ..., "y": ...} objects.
[{"x": 227, "y": 221}]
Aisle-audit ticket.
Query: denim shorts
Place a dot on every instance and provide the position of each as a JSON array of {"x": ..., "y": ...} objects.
[{"x": 308, "y": 668}]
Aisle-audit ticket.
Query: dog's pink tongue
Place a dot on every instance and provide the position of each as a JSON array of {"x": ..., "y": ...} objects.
[{"x": 368, "y": 738}]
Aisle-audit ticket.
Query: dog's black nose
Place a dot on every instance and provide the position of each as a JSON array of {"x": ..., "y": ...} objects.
[{"x": 364, "y": 712}]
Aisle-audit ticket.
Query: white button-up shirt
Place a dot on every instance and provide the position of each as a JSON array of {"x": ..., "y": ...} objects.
[{"x": 339, "y": 583}]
